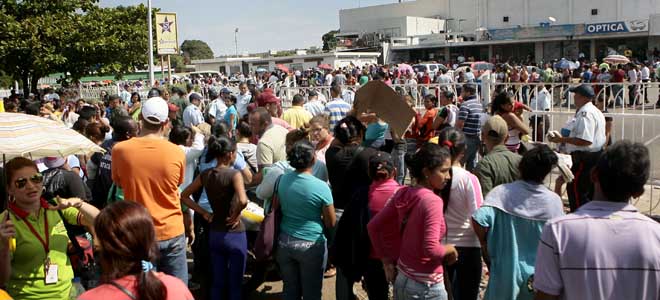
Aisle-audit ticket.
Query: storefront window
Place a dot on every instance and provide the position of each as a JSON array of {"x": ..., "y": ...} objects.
[{"x": 638, "y": 46}]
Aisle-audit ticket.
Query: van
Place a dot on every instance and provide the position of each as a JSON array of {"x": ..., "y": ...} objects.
[{"x": 432, "y": 68}]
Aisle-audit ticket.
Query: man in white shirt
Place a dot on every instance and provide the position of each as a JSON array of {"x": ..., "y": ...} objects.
[
  {"x": 192, "y": 115},
  {"x": 540, "y": 124},
  {"x": 126, "y": 95},
  {"x": 328, "y": 79},
  {"x": 444, "y": 78},
  {"x": 273, "y": 79},
  {"x": 469, "y": 76},
  {"x": 585, "y": 143},
  {"x": 633, "y": 79},
  {"x": 243, "y": 100},
  {"x": 646, "y": 78},
  {"x": 217, "y": 107}
]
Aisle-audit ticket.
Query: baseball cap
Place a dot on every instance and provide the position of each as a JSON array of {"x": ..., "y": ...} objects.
[
  {"x": 225, "y": 91},
  {"x": 380, "y": 161},
  {"x": 172, "y": 107},
  {"x": 312, "y": 94},
  {"x": 495, "y": 129},
  {"x": 155, "y": 111},
  {"x": 584, "y": 90},
  {"x": 195, "y": 96}
]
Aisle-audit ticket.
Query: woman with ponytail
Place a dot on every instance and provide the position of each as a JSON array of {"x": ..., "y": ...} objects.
[
  {"x": 227, "y": 238},
  {"x": 462, "y": 196},
  {"x": 127, "y": 240}
]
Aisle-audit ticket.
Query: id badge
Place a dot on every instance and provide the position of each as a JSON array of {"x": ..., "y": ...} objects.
[{"x": 51, "y": 274}]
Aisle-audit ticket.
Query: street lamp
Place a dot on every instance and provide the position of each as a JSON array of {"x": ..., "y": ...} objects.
[
  {"x": 236, "y": 40},
  {"x": 151, "y": 45}
]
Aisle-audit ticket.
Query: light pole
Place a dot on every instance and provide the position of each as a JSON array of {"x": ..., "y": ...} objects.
[
  {"x": 151, "y": 45},
  {"x": 236, "y": 40}
]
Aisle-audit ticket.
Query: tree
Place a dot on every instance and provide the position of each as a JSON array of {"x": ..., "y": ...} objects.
[
  {"x": 330, "y": 40},
  {"x": 75, "y": 37},
  {"x": 177, "y": 61},
  {"x": 196, "y": 49}
]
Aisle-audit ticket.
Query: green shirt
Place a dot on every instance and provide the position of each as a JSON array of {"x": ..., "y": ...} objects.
[
  {"x": 364, "y": 79},
  {"x": 27, "y": 262},
  {"x": 499, "y": 166},
  {"x": 182, "y": 103}
]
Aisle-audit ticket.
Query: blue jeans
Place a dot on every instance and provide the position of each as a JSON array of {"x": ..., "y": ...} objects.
[
  {"x": 473, "y": 143},
  {"x": 302, "y": 264},
  {"x": 406, "y": 289},
  {"x": 228, "y": 256},
  {"x": 173, "y": 258},
  {"x": 398, "y": 157}
]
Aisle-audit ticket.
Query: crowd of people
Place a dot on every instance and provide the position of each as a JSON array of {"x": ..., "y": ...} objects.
[{"x": 458, "y": 195}]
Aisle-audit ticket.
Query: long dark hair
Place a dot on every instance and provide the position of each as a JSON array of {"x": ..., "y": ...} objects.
[{"x": 127, "y": 237}]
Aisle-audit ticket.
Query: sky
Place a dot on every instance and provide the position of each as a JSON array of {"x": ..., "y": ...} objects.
[{"x": 263, "y": 24}]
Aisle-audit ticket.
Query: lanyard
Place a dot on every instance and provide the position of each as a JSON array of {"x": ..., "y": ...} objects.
[{"x": 44, "y": 243}]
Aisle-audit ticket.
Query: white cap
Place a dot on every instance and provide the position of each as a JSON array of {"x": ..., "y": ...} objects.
[{"x": 155, "y": 111}]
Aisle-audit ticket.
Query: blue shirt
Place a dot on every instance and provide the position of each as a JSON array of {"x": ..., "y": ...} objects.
[
  {"x": 470, "y": 112},
  {"x": 239, "y": 164},
  {"x": 375, "y": 131},
  {"x": 512, "y": 243},
  {"x": 231, "y": 111},
  {"x": 302, "y": 199},
  {"x": 336, "y": 109}
]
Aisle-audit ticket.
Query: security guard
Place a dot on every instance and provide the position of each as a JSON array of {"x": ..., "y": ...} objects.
[{"x": 584, "y": 143}]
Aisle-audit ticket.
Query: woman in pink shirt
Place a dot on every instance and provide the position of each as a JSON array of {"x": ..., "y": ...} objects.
[
  {"x": 409, "y": 230},
  {"x": 383, "y": 186},
  {"x": 127, "y": 238}
]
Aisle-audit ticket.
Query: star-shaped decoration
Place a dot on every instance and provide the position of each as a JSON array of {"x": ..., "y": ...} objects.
[{"x": 166, "y": 25}]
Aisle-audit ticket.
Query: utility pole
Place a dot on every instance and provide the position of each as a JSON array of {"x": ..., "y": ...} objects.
[{"x": 151, "y": 45}]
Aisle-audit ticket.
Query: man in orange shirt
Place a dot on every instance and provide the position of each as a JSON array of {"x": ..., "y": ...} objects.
[{"x": 150, "y": 169}]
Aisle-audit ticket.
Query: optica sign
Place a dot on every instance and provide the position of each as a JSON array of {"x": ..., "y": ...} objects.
[{"x": 614, "y": 27}]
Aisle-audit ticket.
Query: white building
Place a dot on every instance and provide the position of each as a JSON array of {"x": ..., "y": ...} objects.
[
  {"x": 231, "y": 65},
  {"x": 486, "y": 29}
]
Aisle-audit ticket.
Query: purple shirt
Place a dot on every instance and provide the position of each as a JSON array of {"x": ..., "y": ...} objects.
[{"x": 605, "y": 250}]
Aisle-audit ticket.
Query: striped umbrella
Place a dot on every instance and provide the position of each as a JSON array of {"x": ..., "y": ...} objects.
[
  {"x": 36, "y": 137},
  {"x": 616, "y": 59}
]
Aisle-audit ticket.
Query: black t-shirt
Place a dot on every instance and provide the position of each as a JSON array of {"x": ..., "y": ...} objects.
[
  {"x": 347, "y": 172},
  {"x": 64, "y": 183},
  {"x": 103, "y": 180}
]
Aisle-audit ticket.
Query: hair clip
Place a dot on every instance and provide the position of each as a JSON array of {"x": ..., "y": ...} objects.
[
  {"x": 147, "y": 266},
  {"x": 448, "y": 144}
]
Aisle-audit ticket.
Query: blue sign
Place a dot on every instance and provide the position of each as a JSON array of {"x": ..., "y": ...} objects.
[{"x": 611, "y": 27}]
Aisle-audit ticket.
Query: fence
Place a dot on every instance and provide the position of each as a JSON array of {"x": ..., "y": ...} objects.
[{"x": 628, "y": 115}]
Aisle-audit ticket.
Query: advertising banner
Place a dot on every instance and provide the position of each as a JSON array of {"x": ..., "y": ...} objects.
[
  {"x": 167, "y": 41},
  {"x": 615, "y": 27}
]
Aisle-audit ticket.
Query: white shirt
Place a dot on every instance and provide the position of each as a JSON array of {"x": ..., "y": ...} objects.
[
  {"x": 632, "y": 76},
  {"x": 242, "y": 102},
  {"x": 192, "y": 158},
  {"x": 348, "y": 96},
  {"x": 646, "y": 73},
  {"x": 192, "y": 116},
  {"x": 217, "y": 109},
  {"x": 273, "y": 79},
  {"x": 444, "y": 78},
  {"x": 589, "y": 126},
  {"x": 469, "y": 77},
  {"x": 541, "y": 102},
  {"x": 328, "y": 79},
  {"x": 464, "y": 199}
]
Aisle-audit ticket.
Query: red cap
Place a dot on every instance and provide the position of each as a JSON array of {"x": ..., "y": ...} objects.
[
  {"x": 172, "y": 107},
  {"x": 518, "y": 105},
  {"x": 269, "y": 98}
]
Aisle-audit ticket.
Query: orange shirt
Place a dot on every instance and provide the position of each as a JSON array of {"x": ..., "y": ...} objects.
[
  {"x": 425, "y": 125},
  {"x": 150, "y": 171}
]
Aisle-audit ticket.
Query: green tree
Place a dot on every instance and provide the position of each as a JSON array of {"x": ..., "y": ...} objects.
[
  {"x": 34, "y": 34},
  {"x": 330, "y": 40},
  {"x": 177, "y": 61},
  {"x": 196, "y": 49},
  {"x": 75, "y": 37}
]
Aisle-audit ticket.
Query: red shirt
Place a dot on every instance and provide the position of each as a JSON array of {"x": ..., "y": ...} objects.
[{"x": 619, "y": 75}]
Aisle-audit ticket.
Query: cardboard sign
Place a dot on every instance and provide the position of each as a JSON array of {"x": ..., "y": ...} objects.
[{"x": 377, "y": 97}]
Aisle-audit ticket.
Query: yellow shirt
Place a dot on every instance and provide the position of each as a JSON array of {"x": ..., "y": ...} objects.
[
  {"x": 2, "y": 109},
  {"x": 27, "y": 280},
  {"x": 297, "y": 116}
]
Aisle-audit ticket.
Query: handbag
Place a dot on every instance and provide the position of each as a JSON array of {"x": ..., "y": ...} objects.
[
  {"x": 264, "y": 247},
  {"x": 81, "y": 255}
]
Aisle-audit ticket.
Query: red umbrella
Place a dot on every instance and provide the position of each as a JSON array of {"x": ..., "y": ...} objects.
[
  {"x": 282, "y": 68},
  {"x": 325, "y": 67}
]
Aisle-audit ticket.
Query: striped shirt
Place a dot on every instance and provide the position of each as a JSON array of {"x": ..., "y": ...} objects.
[
  {"x": 336, "y": 109},
  {"x": 605, "y": 250},
  {"x": 470, "y": 113},
  {"x": 314, "y": 107}
]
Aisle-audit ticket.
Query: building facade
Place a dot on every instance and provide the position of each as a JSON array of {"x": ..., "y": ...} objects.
[{"x": 519, "y": 30}]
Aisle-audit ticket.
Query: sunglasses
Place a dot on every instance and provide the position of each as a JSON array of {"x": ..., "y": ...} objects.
[{"x": 35, "y": 179}]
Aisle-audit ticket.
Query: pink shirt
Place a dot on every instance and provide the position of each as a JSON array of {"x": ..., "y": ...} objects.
[
  {"x": 417, "y": 249},
  {"x": 176, "y": 289},
  {"x": 379, "y": 193},
  {"x": 278, "y": 121}
]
